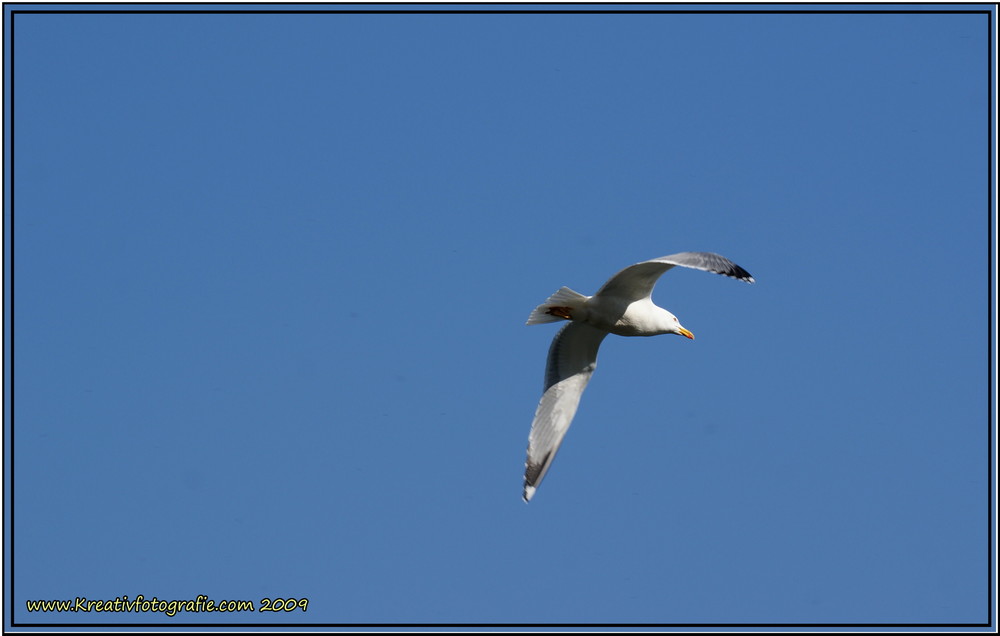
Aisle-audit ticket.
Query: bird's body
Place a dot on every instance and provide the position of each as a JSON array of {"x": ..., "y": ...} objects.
[
  {"x": 637, "y": 318},
  {"x": 624, "y": 307}
]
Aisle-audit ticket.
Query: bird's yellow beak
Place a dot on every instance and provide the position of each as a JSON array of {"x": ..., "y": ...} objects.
[{"x": 687, "y": 334}]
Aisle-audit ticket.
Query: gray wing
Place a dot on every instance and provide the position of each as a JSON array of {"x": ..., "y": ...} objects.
[
  {"x": 572, "y": 359},
  {"x": 637, "y": 281}
]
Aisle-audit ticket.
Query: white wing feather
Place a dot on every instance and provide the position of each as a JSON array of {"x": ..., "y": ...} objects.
[
  {"x": 637, "y": 281},
  {"x": 571, "y": 362}
]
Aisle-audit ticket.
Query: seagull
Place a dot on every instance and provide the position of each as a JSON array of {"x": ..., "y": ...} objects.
[{"x": 623, "y": 307}]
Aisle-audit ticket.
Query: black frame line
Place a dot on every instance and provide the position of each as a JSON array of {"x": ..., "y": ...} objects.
[
  {"x": 9, "y": 268},
  {"x": 497, "y": 11},
  {"x": 575, "y": 8},
  {"x": 156, "y": 7},
  {"x": 572, "y": 625}
]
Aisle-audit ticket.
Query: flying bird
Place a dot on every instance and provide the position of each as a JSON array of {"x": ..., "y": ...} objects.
[{"x": 623, "y": 307}]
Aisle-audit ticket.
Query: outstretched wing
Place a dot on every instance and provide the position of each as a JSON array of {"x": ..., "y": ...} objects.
[
  {"x": 572, "y": 359},
  {"x": 637, "y": 281}
]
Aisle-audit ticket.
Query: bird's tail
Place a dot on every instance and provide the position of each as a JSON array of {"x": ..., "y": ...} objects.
[{"x": 559, "y": 306}]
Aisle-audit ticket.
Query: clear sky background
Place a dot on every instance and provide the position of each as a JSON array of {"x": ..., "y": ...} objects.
[{"x": 272, "y": 274}]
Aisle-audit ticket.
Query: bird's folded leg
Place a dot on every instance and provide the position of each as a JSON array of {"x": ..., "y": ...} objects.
[{"x": 561, "y": 312}]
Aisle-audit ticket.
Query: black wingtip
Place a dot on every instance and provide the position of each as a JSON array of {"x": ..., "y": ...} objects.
[{"x": 740, "y": 273}]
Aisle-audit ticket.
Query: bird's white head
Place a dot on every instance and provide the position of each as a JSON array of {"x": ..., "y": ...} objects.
[{"x": 672, "y": 325}]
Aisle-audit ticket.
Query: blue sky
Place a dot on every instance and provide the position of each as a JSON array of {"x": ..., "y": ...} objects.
[{"x": 271, "y": 274}]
